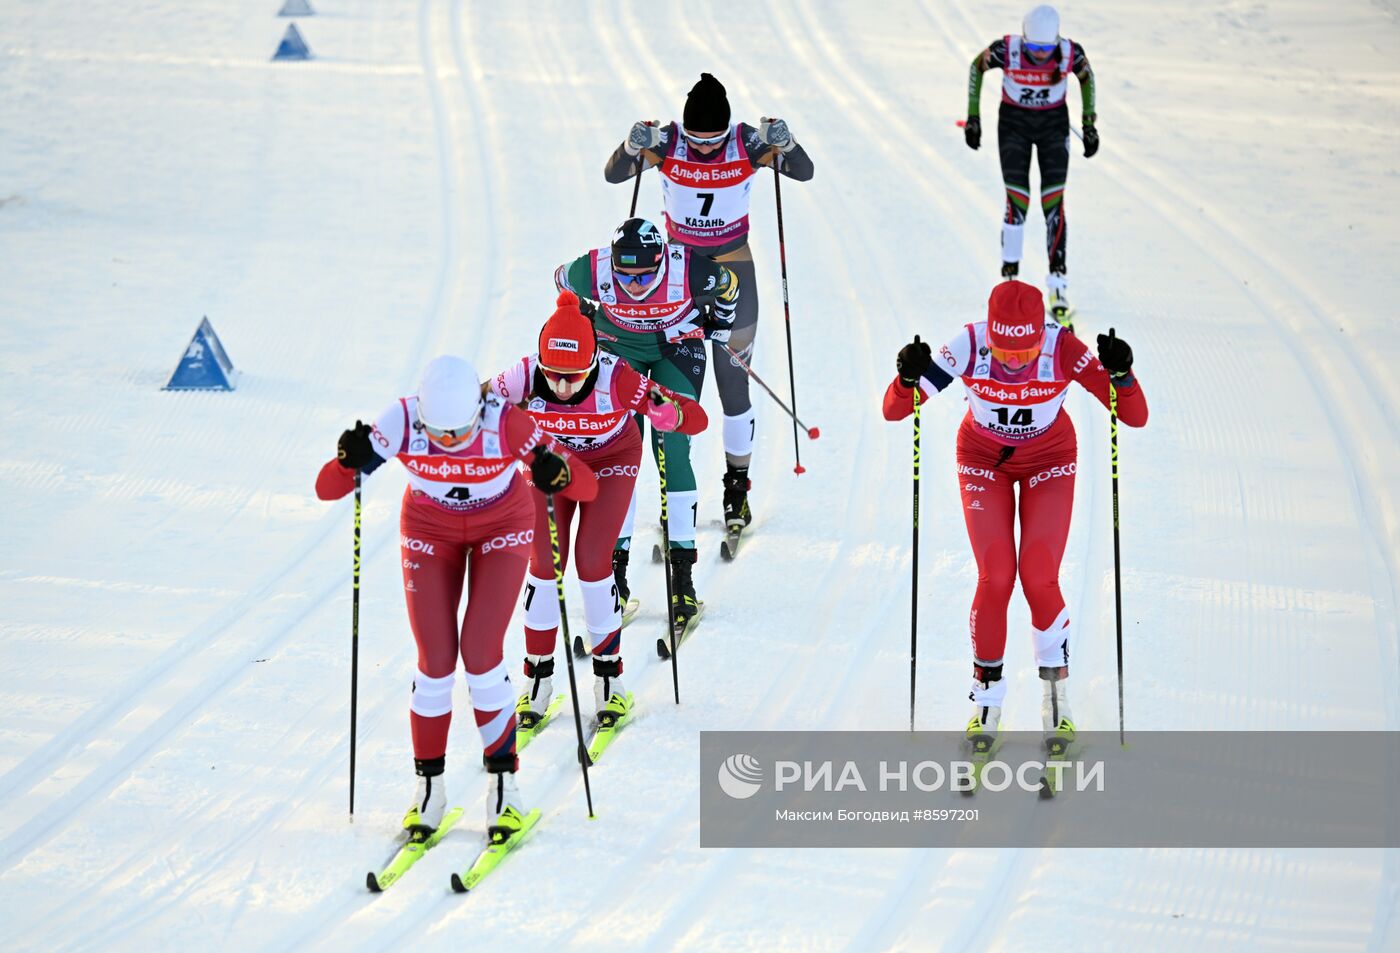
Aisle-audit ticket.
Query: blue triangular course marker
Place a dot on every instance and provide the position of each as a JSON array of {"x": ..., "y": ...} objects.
[
  {"x": 205, "y": 365},
  {"x": 296, "y": 8},
  {"x": 293, "y": 47}
]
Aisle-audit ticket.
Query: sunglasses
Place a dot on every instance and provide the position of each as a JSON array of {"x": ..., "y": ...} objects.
[
  {"x": 565, "y": 377},
  {"x": 626, "y": 279},
  {"x": 1015, "y": 360},
  {"x": 707, "y": 140},
  {"x": 1039, "y": 47},
  {"x": 451, "y": 438}
]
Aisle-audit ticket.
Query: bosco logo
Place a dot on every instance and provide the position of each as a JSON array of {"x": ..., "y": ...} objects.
[
  {"x": 617, "y": 471},
  {"x": 507, "y": 540},
  {"x": 1053, "y": 472}
]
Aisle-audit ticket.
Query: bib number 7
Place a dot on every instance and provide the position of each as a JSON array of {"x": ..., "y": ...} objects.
[{"x": 707, "y": 199}]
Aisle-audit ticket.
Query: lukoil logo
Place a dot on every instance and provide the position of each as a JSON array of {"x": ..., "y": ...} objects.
[
  {"x": 740, "y": 776},
  {"x": 563, "y": 344},
  {"x": 416, "y": 545}
]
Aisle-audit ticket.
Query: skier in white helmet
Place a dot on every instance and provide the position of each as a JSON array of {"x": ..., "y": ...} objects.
[
  {"x": 468, "y": 517},
  {"x": 1035, "y": 80}
]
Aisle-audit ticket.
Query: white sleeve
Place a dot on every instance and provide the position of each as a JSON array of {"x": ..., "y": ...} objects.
[
  {"x": 951, "y": 361},
  {"x": 390, "y": 428},
  {"x": 513, "y": 384}
]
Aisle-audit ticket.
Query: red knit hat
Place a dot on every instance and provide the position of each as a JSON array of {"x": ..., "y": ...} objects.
[
  {"x": 567, "y": 341},
  {"x": 1015, "y": 317}
]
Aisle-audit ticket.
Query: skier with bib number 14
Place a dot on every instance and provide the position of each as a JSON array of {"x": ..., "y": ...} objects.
[
  {"x": 1033, "y": 115},
  {"x": 1017, "y": 367}
]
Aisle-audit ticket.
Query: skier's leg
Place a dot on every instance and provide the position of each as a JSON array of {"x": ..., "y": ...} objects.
[
  {"x": 989, "y": 510},
  {"x": 682, "y": 369},
  {"x": 1052, "y": 152},
  {"x": 730, "y": 378},
  {"x": 542, "y": 610},
  {"x": 434, "y": 560},
  {"x": 1047, "y": 501},
  {"x": 1014, "y": 148}
]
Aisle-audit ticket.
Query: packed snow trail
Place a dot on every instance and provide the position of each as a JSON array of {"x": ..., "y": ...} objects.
[{"x": 176, "y": 602}]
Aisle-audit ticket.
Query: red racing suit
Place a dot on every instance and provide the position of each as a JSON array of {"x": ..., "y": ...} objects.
[
  {"x": 1016, "y": 433},
  {"x": 595, "y": 424},
  {"x": 467, "y": 516}
]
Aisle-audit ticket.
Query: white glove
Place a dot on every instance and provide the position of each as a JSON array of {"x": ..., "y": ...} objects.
[
  {"x": 775, "y": 132},
  {"x": 644, "y": 135}
]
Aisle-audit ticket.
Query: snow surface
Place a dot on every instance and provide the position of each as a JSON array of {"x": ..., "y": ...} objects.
[{"x": 175, "y": 602}]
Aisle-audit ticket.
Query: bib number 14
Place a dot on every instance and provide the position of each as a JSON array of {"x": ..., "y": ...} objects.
[{"x": 1021, "y": 418}]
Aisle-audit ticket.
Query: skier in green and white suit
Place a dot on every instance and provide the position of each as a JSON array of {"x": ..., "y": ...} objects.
[{"x": 654, "y": 306}]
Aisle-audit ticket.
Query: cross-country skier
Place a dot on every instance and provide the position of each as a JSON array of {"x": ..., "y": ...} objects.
[
  {"x": 656, "y": 302},
  {"x": 584, "y": 398},
  {"x": 466, "y": 512},
  {"x": 1035, "y": 79},
  {"x": 707, "y": 168},
  {"x": 1017, "y": 368}
]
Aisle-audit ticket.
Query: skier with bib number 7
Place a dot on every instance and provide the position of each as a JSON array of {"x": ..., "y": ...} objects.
[
  {"x": 584, "y": 398},
  {"x": 1035, "y": 79},
  {"x": 1017, "y": 368}
]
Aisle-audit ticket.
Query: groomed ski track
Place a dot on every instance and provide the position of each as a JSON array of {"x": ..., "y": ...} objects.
[{"x": 176, "y": 603}]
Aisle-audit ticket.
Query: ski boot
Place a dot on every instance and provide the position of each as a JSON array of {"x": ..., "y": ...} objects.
[
  {"x": 1010, "y": 269},
  {"x": 620, "y": 574},
  {"x": 430, "y": 801},
  {"x": 611, "y": 701},
  {"x": 1057, "y": 287},
  {"x": 1055, "y": 716},
  {"x": 982, "y": 728},
  {"x": 736, "y": 498},
  {"x": 533, "y": 703},
  {"x": 684, "y": 605},
  {"x": 505, "y": 808}
]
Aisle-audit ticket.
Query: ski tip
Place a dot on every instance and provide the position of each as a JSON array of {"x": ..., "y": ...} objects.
[
  {"x": 725, "y": 552},
  {"x": 1046, "y": 791},
  {"x": 372, "y": 882},
  {"x": 457, "y": 885}
]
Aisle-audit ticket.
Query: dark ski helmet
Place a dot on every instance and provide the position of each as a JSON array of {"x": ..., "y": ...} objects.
[{"x": 637, "y": 243}]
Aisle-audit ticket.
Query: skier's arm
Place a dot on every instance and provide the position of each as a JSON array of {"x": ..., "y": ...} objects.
[
  {"x": 1079, "y": 364},
  {"x": 623, "y": 165},
  {"x": 938, "y": 370},
  {"x": 577, "y": 276},
  {"x": 794, "y": 163},
  {"x": 513, "y": 384},
  {"x": 521, "y": 435},
  {"x": 993, "y": 57},
  {"x": 363, "y": 448},
  {"x": 634, "y": 392},
  {"x": 1085, "y": 72}
]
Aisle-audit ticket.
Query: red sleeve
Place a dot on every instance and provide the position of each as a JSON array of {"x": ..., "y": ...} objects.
[
  {"x": 334, "y": 481},
  {"x": 1078, "y": 363},
  {"x": 520, "y": 435},
  {"x": 899, "y": 400},
  {"x": 631, "y": 390}
]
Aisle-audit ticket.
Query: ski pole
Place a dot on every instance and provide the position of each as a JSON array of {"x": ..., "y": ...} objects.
[
  {"x": 637, "y": 186},
  {"x": 666, "y": 552},
  {"x": 568, "y": 646},
  {"x": 787, "y": 321},
  {"x": 1117, "y": 572},
  {"x": 355, "y": 645},
  {"x": 812, "y": 432},
  {"x": 914, "y": 593}
]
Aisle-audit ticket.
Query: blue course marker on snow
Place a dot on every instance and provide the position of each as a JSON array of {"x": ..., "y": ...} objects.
[
  {"x": 296, "y": 8},
  {"x": 292, "y": 47},
  {"x": 205, "y": 365}
]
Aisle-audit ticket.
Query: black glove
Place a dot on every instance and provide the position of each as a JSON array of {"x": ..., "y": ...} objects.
[
  {"x": 972, "y": 132},
  {"x": 549, "y": 471},
  {"x": 353, "y": 450},
  {"x": 912, "y": 361},
  {"x": 1091, "y": 139},
  {"x": 1115, "y": 355}
]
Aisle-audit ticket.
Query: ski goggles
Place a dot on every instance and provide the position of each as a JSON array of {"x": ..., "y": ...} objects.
[
  {"x": 1015, "y": 360},
  {"x": 706, "y": 140},
  {"x": 1040, "y": 48},
  {"x": 636, "y": 281},
  {"x": 567, "y": 377},
  {"x": 452, "y": 438}
]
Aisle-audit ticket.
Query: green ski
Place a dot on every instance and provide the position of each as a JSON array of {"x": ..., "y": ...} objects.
[
  {"x": 411, "y": 852},
  {"x": 523, "y": 735},
  {"x": 663, "y": 646},
  {"x": 980, "y": 748},
  {"x": 494, "y": 852},
  {"x": 605, "y": 734}
]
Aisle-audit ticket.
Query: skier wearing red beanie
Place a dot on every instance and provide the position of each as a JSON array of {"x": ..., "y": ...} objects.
[
  {"x": 584, "y": 398},
  {"x": 1017, "y": 368}
]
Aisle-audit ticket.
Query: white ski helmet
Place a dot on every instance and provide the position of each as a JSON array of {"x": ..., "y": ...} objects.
[
  {"x": 1041, "y": 25},
  {"x": 449, "y": 397}
]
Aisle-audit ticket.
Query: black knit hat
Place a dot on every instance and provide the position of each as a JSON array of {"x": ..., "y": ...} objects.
[{"x": 707, "y": 106}]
